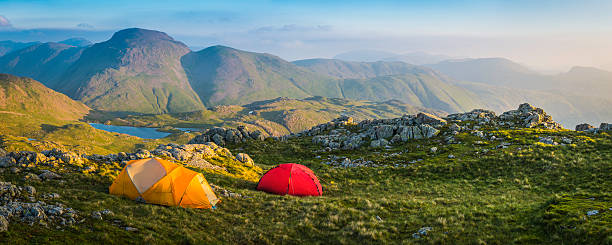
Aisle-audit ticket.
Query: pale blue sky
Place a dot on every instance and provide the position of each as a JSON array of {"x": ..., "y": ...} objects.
[{"x": 541, "y": 33}]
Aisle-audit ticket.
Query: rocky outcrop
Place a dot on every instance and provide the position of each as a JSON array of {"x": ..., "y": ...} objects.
[
  {"x": 195, "y": 155},
  {"x": 479, "y": 115},
  {"x": 526, "y": 116},
  {"x": 585, "y": 127},
  {"x": 343, "y": 133},
  {"x": 19, "y": 204},
  {"x": 378, "y": 133},
  {"x": 221, "y": 136},
  {"x": 338, "y": 123}
]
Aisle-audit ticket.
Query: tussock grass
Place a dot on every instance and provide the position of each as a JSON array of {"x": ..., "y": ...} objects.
[{"x": 525, "y": 193}]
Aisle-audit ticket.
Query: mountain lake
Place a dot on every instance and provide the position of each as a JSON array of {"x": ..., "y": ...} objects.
[{"x": 145, "y": 133}]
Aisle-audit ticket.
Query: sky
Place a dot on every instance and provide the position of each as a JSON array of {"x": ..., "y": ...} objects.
[{"x": 544, "y": 34}]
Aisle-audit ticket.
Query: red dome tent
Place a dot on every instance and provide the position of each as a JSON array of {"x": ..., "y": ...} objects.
[{"x": 290, "y": 178}]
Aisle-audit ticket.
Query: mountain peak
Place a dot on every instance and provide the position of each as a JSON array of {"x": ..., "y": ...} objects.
[{"x": 136, "y": 36}]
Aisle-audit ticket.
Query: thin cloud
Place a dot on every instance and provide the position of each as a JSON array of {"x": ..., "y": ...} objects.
[
  {"x": 85, "y": 26},
  {"x": 292, "y": 28},
  {"x": 4, "y": 22}
]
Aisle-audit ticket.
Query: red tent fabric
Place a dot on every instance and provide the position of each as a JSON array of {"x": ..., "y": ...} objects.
[{"x": 290, "y": 178}]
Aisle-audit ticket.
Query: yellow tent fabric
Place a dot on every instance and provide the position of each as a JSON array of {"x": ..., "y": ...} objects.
[{"x": 162, "y": 182}]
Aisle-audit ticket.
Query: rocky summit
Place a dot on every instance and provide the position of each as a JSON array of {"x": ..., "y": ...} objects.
[{"x": 526, "y": 116}]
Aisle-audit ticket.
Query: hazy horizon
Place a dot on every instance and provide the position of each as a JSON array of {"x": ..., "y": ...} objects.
[{"x": 544, "y": 35}]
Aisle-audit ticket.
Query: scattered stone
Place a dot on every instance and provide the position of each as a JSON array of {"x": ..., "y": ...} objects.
[
  {"x": 245, "y": 158},
  {"x": 51, "y": 196},
  {"x": 49, "y": 175},
  {"x": 30, "y": 190},
  {"x": 503, "y": 145},
  {"x": 96, "y": 215},
  {"x": 433, "y": 149},
  {"x": 566, "y": 140},
  {"x": 592, "y": 212},
  {"x": 127, "y": 228},
  {"x": 225, "y": 192},
  {"x": 379, "y": 143},
  {"x": 451, "y": 156},
  {"x": 547, "y": 140},
  {"x": 421, "y": 232},
  {"x": 31, "y": 177},
  {"x": 345, "y": 162}
]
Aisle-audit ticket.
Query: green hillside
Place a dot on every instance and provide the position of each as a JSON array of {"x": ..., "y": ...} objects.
[
  {"x": 419, "y": 89},
  {"x": 34, "y": 117},
  {"x": 25, "y": 104},
  {"x": 223, "y": 75},
  {"x": 357, "y": 70}
]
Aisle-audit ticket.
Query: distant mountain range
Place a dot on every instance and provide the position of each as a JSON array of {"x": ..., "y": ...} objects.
[
  {"x": 145, "y": 71},
  {"x": 10, "y": 46},
  {"x": 579, "y": 95}
]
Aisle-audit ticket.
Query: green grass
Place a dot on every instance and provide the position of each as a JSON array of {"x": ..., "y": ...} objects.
[{"x": 527, "y": 193}]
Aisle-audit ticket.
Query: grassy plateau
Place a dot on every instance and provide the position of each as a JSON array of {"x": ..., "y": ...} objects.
[{"x": 527, "y": 193}]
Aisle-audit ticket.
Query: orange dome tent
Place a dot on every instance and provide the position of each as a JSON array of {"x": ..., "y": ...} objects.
[{"x": 162, "y": 182}]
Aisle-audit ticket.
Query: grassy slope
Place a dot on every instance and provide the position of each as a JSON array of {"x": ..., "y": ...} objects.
[
  {"x": 223, "y": 75},
  {"x": 420, "y": 89},
  {"x": 276, "y": 117},
  {"x": 357, "y": 70},
  {"x": 527, "y": 193},
  {"x": 25, "y": 105}
]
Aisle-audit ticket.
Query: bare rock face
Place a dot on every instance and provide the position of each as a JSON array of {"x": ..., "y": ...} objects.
[
  {"x": 426, "y": 118},
  {"x": 221, "y": 136},
  {"x": 474, "y": 115},
  {"x": 378, "y": 133},
  {"x": 605, "y": 126},
  {"x": 526, "y": 116},
  {"x": 584, "y": 127},
  {"x": 530, "y": 117}
]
